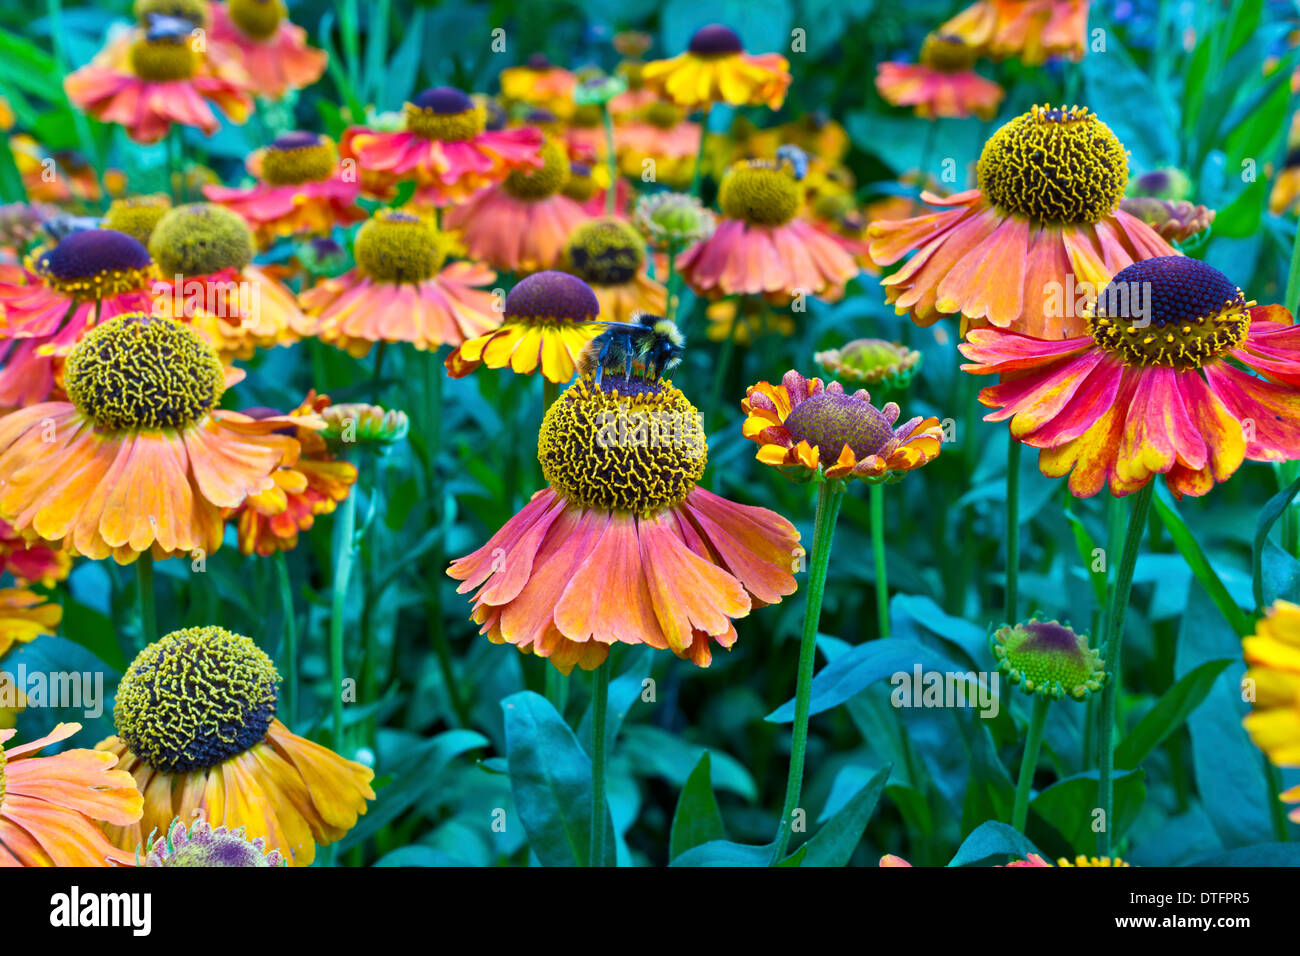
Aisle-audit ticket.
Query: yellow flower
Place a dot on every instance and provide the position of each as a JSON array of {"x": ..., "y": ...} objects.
[{"x": 716, "y": 69}]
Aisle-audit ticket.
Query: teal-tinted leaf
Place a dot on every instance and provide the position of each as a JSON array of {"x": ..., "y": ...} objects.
[
  {"x": 550, "y": 777},
  {"x": 1196, "y": 560},
  {"x": 651, "y": 751},
  {"x": 698, "y": 820},
  {"x": 1267, "y": 518},
  {"x": 835, "y": 842},
  {"x": 65, "y": 683},
  {"x": 725, "y": 853},
  {"x": 1068, "y": 806},
  {"x": 419, "y": 856},
  {"x": 993, "y": 840},
  {"x": 1261, "y": 854},
  {"x": 624, "y": 691},
  {"x": 1170, "y": 712}
]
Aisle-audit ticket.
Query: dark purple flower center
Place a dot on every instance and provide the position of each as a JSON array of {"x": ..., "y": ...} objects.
[
  {"x": 830, "y": 420},
  {"x": 715, "y": 40},
  {"x": 1168, "y": 290},
  {"x": 1049, "y": 637},
  {"x": 552, "y": 295},
  {"x": 299, "y": 139},
  {"x": 444, "y": 100},
  {"x": 93, "y": 252}
]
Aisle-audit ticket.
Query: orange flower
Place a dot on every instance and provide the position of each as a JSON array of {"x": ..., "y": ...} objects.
[
  {"x": 157, "y": 80},
  {"x": 609, "y": 255},
  {"x": 716, "y": 69},
  {"x": 942, "y": 84},
  {"x": 303, "y": 190},
  {"x": 257, "y": 35},
  {"x": 31, "y": 562},
  {"x": 141, "y": 458},
  {"x": 761, "y": 247},
  {"x": 522, "y": 224},
  {"x": 313, "y": 485},
  {"x": 1043, "y": 229},
  {"x": 622, "y": 547},
  {"x": 1030, "y": 30},
  {"x": 549, "y": 319},
  {"x": 51, "y": 807},
  {"x": 1273, "y": 653},
  {"x": 401, "y": 292},
  {"x": 814, "y": 431},
  {"x": 540, "y": 83},
  {"x": 24, "y": 616},
  {"x": 662, "y": 134},
  {"x": 1154, "y": 386},
  {"x": 215, "y": 746}
]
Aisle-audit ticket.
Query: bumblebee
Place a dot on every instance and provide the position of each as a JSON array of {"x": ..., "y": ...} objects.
[
  {"x": 795, "y": 158},
  {"x": 653, "y": 342}
]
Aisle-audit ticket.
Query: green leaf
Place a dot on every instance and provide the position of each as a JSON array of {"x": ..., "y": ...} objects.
[
  {"x": 550, "y": 777},
  {"x": 698, "y": 819},
  {"x": 1261, "y": 854},
  {"x": 725, "y": 853},
  {"x": 1068, "y": 806},
  {"x": 1172, "y": 710},
  {"x": 993, "y": 839},
  {"x": 1197, "y": 562},
  {"x": 419, "y": 856},
  {"x": 1267, "y": 518},
  {"x": 651, "y": 751},
  {"x": 835, "y": 842}
]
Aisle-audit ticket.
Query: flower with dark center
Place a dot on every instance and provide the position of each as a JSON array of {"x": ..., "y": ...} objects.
[
  {"x": 872, "y": 362},
  {"x": 299, "y": 157},
  {"x": 942, "y": 84},
  {"x": 1030, "y": 30},
  {"x": 1048, "y": 658},
  {"x": 196, "y": 725},
  {"x": 143, "y": 457},
  {"x": 609, "y": 254},
  {"x": 1044, "y": 222},
  {"x": 259, "y": 19},
  {"x": 549, "y": 319},
  {"x": 622, "y": 547},
  {"x": 203, "y": 845},
  {"x": 1178, "y": 374},
  {"x": 716, "y": 69},
  {"x": 95, "y": 264},
  {"x": 539, "y": 83},
  {"x": 257, "y": 35},
  {"x": 814, "y": 431}
]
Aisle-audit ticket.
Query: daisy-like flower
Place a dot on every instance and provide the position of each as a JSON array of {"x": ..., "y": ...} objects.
[
  {"x": 205, "y": 845},
  {"x": 659, "y": 134},
  {"x": 24, "y": 616},
  {"x": 622, "y": 547},
  {"x": 1155, "y": 386},
  {"x": 549, "y": 319},
  {"x": 609, "y": 255},
  {"x": 269, "y": 521},
  {"x": 274, "y": 53},
  {"x": 88, "y": 277},
  {"x": 588, "y": 186},
  {"x": 31, "y": 561},
  {"x": 51, "y": 808},
  {"x": 943, "y": 84},
  {"x": 814, "y": 431},
  {"x": 156, "y": 81},
  {"x": 214, "y": 745},
  {"x": 1048, "y": 658},
  {"x": 522, "y": 224},
  {"x": 140, "y": 458},
  {"x": 205, "y": 254},
  {"x": 1176, "y": 220},
  {"x": 539, "y": 83},
  {"x": 137, "y": 216},
  {"x": 302, "y": 190},
  {"x": 746, "y": 319},
  {"x": 716, "y": 69},
  {"x": 761, "y": 247},
  {"x": 872, "y": 362},
  {"x": 672, "y": 220},
  {"x": 62, "y": 176},
  {"x": 1273, "y": 656},
  {"x": 1043, "y": 222},
  {"x": 400, "y": 291},
  {"x": 446, "y": 148},
  {"x": 1030, "y": 30}
]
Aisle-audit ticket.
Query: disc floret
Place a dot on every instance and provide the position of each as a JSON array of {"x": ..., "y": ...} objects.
[
  {"x": 537, "y": 184},
  {"x": 201, "y": 239},
  {"x": 95, "y": 264},
  {"x": 759, "y": 192},
  {"x": 1048, "y": 658},
  {"x": 605, "y": 252},
  {"x": 299, "y": 157},
  {"x": 395, "y": 246},
  {"x": 445, "y": 113}
]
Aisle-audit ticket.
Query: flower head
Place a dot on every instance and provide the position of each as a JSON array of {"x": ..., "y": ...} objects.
[
  {"x": 872, "y": 362},
  {"x": 609, "y": 255},
  {"x": 1030, "y": 30},
  {"x": 136, "y": 216},
  {"x": 1273, "y": 658},
  {"x": 716, "y": 69},
  {"x": 205, "y": 845},
  {"x": 1175, "y": 220},
  {"x": 670, "y": 220},
  {"x": 942, "y": 84},
  {"x": 256, "y": 35},
  {"x": 95, "y": 264},
  {"x": 365, "y": 424},
  {"x": 1048, "y": 658},
  {"x": 813, "y": 431},
  {"x": 196, "y": 725}
]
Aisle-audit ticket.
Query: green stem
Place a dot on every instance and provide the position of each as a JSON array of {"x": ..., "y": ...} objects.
[
  {"x": 672, "y": 282},
  {"x": 148, "y": 612},
  {"x": 599, "y": 702},
  {"x": 699, "y": 153},
  {"x": 829, "y": 496},
  {"x": 557, "y": 689},
  {"x": 290, "y": 638},
  {"x": 378, "y": 379},
  {"x": 346, "y": 531},
  {"x": 1137, "y": 524},
  {"x": 1292, "y": 299},
  {"x": 1011, "y": 593},
  {"x": 1276, "y": 812},
  {"x": 1029, "y": 762},
  {"x": 611, "y": 194},
  {"x": 878, "y": 549}
]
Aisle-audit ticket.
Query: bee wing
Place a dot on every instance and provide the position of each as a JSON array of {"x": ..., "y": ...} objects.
[{"x": 629, "y": 326}]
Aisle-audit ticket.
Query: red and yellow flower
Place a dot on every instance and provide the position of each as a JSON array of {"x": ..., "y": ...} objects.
[
  {"x": 816, "y": 431},
  {"x": 215, "y": 746},
  {"x": 623, "y": 547},
  {"x": 1273, "y": 656},
  {"x": 943, "y": 84},
  {"x": 716, "y": 69},
  {"x": 257, "y": 35},
  {"x": 1030, "y": 30},
  {"x": 1177, "y": 374},
  {"x": 51, "y": 808},
  {"x": 609, "y": 255},
  {"x": 401, "y": 291},
  {"x": 1044, "y": 222},
  {"x": 539, "y": 83},
  {"x": 140, "y": 458},
  {"x": 31, "y": 561}
]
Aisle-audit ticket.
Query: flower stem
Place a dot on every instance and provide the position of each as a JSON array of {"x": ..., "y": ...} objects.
[
  {"x": 878, "y": 549},
  {"x": 829, "y": 496},
  {"x": 671, "y": 282},
  {"x": 290, "y": 637},
  {"x": 1114, "y": 639},
  {"x": 611, "y": 194},
  {"x": 1011, "y": 595},
  {"x": 599, "y": 702},
  {"x": 377, "y": 382},
  {"x": 1029, "y": 762},
  {"x": 699, "y": 153},
  {"x": 347, "y": 522},
  {"x": 144, "y": 585}
]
